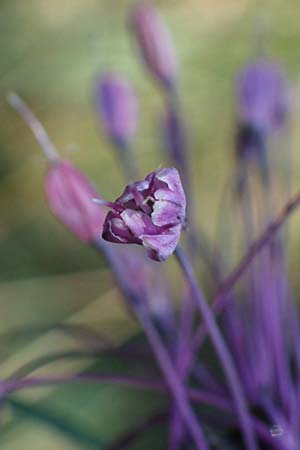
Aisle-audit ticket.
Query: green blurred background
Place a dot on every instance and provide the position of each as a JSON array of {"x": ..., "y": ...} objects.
[{"x": 51, "y": 52}]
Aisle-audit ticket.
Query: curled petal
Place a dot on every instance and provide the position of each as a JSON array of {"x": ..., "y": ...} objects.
[
  {"x": 138, "y": 222},
  {"x": 166, "y": 213},
  {"x": 160, "y": 247}
]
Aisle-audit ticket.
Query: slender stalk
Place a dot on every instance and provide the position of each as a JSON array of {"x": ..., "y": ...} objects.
[
  {"x": 127, "y": 162},
  {"x": 155, "y": 385},
  {"x": 173, "y": 380},
  {"x": 35, "y": 125},
  {"x": 13, "y": 385},
  {"x": 217, "y": 339},
  {"x": 258, "y": 245}
]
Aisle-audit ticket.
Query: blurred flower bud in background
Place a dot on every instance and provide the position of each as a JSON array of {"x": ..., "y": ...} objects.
[
  {"x": 155, "y": 43},
  {"x": 117, "y": 105},
  {"x": 262, "y": 109},
  {"x": 70, "y": 198},
  {"x": 262, "y": 96}
]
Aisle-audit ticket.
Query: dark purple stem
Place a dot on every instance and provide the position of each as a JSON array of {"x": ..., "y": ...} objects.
[
  {"x": 13, "y": 385},
  {"x": 173, "y": 381},
  {"x": 264, "y": 239},
  {"x": 223, "y": 352},
  {"x": 196, "y": 395}
]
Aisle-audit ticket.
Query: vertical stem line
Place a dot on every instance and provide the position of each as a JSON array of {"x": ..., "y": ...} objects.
[
  {"x": 223, "y": 352},
  {"x": 172, "y": 379}
]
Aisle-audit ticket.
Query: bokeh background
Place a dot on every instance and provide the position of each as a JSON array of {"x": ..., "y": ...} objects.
[{"x": 51, "y": 53}]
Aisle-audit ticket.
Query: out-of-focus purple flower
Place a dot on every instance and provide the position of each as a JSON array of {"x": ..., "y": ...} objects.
[
  {"x": 262, "y": 96},
  {"x": 117, "y": 105},
  {"x": 70, "y": 197},
  {"x": 149, "y": 213},
  {"x": 155, "y": 43}
]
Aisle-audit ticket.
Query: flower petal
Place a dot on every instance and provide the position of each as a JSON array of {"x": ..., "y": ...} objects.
[{"x": 161, "y": 246}]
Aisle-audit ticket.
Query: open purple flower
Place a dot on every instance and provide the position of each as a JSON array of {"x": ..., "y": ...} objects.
[{"x": 149, "y": 213}]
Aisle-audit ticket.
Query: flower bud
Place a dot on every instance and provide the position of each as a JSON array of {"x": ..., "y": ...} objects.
[
  {"x": 70, "y": 197},
  {"x": 149, "y": 213},
  {"x": 155, "y": 43},
  {"x": 262, "y": 96},
  {"x": 117, "y": 105}
]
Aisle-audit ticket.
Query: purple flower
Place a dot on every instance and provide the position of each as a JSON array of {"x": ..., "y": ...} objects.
[
  {"x": 262, "y": 96},
  {"x": 70, "y": 197},
  {"x": 149, "y": 213},
  {"x": 117, "y": 105},
  {"x": 155, "y": 43}
]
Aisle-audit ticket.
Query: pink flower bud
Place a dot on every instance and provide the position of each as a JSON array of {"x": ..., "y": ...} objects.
[
  {"x": 117, "y": 105},
  {"x": 155, "y": 43},
  {"x": 70, "y": 197},
  {"x": 149, "y": 213}
]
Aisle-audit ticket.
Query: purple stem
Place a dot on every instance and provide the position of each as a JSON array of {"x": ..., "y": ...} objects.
[
  {"x": 195, "y": 395},
  {"x": 263, "y": 240},
  {"x": 127, "y": 162},
  {"x": 173, "y": 381},
  {"x": 10, "y": 386},
  {"x": 223, "y": 352},
  {"x": 156, "y": 385}
]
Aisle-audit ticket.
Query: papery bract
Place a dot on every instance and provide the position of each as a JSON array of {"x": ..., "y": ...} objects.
[
  {"x": 117, "y": 104},
  {"x": 149, "y": 213},
  {"x": 70, "y": 197},
  {"x": 155, "y": 43}
]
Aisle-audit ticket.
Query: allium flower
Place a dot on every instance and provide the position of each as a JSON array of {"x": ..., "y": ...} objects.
[
  {"x": 262, "y": 96},
  {"x": 69, "y": 196},
  {"x": 117, "y": 105},
  {"x": 155, "y": 43},
  {"x": 149, "y": 213}
]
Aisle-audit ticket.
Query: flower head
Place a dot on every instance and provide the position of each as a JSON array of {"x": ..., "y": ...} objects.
[
  {"x": 262, "y": 96},
  {"x": 117, "y": 105},
  {"x": 155, "y": 43},
  {"x": 149, "y": 213},
  {"x": 70, "y": 197}
]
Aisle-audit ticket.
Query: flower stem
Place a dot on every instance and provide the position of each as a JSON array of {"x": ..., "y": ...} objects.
[
  {"x": 221, "y": 348},
  {"x": 172, "y": 379},
  {"x": 258, "y": 245},
  {"x": 35, "y": 125}
]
